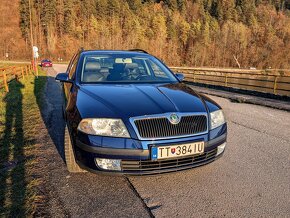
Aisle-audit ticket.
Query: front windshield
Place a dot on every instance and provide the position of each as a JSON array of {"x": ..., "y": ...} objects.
[{"x": 124, "y": 68}]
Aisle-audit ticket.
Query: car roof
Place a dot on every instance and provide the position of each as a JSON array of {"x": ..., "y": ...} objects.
[{"x": 94, "y": 52}]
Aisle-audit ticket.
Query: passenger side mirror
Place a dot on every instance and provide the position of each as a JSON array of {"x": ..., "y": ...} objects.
[
  {"x": 180, "y": 76},
  {"x": 63, "y": 77}
]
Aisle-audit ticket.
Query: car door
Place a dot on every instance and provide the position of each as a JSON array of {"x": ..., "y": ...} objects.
[{"x": 69, "y": 88}]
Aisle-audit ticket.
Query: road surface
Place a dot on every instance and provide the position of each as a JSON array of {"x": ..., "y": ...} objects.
[{"x": 252, "y": 179}]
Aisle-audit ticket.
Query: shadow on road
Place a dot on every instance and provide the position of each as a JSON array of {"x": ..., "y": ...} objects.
[{"x": 51, "y": 111}]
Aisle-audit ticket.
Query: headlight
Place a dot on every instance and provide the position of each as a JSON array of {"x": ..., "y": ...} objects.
[
  {"x": 216, "y": 119},
  {"x": 104, "y": 127}
]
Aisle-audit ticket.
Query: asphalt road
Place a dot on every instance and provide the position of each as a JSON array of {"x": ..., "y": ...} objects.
[{"x": 252, "y": 179}]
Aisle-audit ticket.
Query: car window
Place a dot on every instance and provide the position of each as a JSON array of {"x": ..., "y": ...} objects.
[
  {"x": 70, "y": 63},
  {"x": 142, "y": 66},
  {"x": 121, "y": 68},
  {"x": 158, "y": 72}
]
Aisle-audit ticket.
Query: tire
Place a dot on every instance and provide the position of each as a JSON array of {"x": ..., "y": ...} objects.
[{"x": 70, "y": 160}]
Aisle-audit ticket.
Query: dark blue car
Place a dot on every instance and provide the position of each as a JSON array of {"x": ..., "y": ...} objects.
[{"x": 127, "y": 113}]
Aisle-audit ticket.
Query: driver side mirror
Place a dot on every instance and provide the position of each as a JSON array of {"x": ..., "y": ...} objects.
[
  {"x": 63, "y": 77},
  {"x": 180, "y": 76}
]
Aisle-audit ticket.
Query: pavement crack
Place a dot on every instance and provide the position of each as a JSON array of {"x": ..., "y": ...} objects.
[
  {"x": 131, "y": 186},
  {"x": 155, "y": 207},
  {"x": 257, "y": 130}
]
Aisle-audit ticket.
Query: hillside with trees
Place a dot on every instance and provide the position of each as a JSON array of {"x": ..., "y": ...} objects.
[
  {"x": 220, "y": 33},
  {"x": 11, "y": 41}
]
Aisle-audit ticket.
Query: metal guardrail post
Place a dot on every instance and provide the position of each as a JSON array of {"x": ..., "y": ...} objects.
[{"x": 275, "y": 85}]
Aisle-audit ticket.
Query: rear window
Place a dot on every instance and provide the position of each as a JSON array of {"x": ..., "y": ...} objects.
[{"x": 46, "y": 60}]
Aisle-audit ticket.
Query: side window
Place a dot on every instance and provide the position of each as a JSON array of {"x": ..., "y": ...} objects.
[
  {"x": 157, "y": 71},
  {"x": 73, "y": 66},
  {"x": 70, "y": 63}
]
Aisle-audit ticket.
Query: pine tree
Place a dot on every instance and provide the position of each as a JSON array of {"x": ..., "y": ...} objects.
[
  {"x": 134, "y": 4},
  {"x": 172, "y": 4},
  {"x": 181, "y": 4},
  {"x": 69, "y": 17},
  {"x": 24, "y": 18}
]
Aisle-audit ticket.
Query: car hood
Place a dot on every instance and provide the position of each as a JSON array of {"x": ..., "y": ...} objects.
[{"x": 125, "y": 101}]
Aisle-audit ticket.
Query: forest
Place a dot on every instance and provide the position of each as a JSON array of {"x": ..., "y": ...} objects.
[{"x": 212, "y": 33}]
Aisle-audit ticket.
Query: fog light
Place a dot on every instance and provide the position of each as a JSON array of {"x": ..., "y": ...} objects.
[
  {"x": 220, "y": 149},
  {"x": 109, "y": 164}
]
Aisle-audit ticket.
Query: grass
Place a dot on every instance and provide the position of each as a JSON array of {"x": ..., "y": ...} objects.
[
  {"x": 9, "y": 63},
  {"x": 4, "y": 64},
  {"x": 20, "y": 120}
]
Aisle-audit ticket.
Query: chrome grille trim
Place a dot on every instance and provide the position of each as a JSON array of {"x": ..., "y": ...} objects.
[{"x": 161, "y": 119}]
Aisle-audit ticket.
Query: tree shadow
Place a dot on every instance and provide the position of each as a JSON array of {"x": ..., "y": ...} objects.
[
  {"x": 12, "y": 161},
  {"x": 50, "y": 102}
]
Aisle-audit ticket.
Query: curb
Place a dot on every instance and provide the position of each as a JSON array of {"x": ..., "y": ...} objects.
[{"x": 241, "y": 98}]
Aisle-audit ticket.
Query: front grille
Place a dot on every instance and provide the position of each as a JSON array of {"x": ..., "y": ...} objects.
[
  {"x": 164, "y": 166},
  {"x": 161, "y": 127}
]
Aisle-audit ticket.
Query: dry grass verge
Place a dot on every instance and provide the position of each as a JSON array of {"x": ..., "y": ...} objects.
[{"x": 20, "y": 119}]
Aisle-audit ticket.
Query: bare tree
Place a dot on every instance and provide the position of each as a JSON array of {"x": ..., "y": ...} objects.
[{"x": 237, "y": 61}]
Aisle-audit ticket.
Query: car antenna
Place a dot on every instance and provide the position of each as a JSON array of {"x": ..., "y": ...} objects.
[{"x": 81, "y": 49}]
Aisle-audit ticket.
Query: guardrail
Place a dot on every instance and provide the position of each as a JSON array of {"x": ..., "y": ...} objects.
[
  {"x": 10, "y": 73},
  {"x": 275, "y": 82}
]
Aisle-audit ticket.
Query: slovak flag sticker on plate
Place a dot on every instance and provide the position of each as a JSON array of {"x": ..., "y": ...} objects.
[{"x": 173, "y": 150}]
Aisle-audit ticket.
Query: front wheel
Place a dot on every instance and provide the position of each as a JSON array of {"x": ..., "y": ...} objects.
[{"x": 70, "y": 160}]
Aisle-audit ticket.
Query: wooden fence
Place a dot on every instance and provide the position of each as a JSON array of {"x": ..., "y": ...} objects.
[
  {"x": 10, "y": 73},
  {"x": 275, "y": 82}
]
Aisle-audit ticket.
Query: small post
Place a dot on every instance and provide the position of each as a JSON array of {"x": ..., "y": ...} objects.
[
  {"x": 36, "y": 67},
  {"x": 5, "y": 81},
  {"x": 275, "y": 85},
  {"x": 194, "y": 76},
  {"x": 15, "y": 74},
  {"x": 26, "y": 71}
]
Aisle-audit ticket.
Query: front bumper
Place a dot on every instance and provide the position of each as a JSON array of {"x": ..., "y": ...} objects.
[{"x": 136, "y": 160}]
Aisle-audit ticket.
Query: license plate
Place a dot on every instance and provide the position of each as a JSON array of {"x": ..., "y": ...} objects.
[{"x": 171, "y": 151}]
